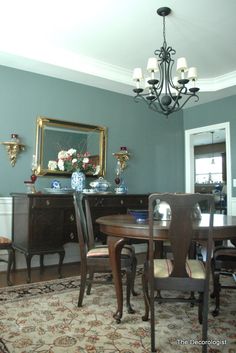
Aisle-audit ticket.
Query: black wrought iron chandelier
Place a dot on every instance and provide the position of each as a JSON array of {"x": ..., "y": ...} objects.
[{"x": 165, "y": 94}]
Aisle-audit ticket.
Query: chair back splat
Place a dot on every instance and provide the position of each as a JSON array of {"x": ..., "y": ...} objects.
[
  {"x": 181, "y": 272},
  {"x": 95, "y": 257}
]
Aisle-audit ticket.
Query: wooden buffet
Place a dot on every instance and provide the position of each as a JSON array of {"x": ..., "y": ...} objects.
[{"x": 43, "y": 223}]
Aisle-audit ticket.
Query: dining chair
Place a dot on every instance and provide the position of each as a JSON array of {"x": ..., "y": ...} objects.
[
  {"x": 6, "y": 244},
  {"x": 95, "y": 258},
  {"x": 181, "y": 273},
  {"x": 223, "y": 263}
]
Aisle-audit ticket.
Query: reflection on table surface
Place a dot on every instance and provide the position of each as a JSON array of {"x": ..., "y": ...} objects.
[{"x": 124, "y": 226}]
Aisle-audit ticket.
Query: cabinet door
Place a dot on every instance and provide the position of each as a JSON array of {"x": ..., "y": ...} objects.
[{"x": 47, "y": 228}]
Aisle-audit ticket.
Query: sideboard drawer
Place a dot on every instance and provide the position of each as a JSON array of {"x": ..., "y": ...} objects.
[
  {"x": 104, "y": 201},
  {"x": 118, "y": 200},
  {"x": 135, "y": 202},
  {"x": 51, "y": 202}
]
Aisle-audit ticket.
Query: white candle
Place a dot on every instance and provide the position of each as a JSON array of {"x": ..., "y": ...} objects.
[{"x": 34, "y": 163}]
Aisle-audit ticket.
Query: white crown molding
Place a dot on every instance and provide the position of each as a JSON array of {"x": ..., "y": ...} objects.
[
  {"x": 218, "y": 83},
  {"x": 88, "y": 71}
]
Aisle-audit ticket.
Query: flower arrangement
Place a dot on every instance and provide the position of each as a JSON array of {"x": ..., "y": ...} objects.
[{"x": 71, "y": 160}]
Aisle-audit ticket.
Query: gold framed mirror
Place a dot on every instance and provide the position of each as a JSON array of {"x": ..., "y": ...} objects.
[{"x": 54, "y": 136}]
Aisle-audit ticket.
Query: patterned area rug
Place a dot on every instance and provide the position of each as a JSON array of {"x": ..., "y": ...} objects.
[{"x": 44, "y": 318}]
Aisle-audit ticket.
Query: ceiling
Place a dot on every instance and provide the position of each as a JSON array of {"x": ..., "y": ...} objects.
[
  {"x": 208, "y": 137},
  {"x": 100, "y": 42}
]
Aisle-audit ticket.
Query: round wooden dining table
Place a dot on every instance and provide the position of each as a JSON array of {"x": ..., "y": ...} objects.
[{"x": 119, "y": 229}]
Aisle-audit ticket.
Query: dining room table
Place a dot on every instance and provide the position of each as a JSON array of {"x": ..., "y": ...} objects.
[{"x": 121, "y": 229}]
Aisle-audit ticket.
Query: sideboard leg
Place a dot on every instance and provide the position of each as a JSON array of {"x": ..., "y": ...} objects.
[
  {"x": 61, "y": 258},
  {"x": 28, "y": 264}
]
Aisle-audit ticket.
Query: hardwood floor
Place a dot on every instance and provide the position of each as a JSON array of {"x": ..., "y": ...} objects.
[{"x": 49, "y": 272}]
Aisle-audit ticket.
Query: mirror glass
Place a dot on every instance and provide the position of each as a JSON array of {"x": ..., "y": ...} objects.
[{"x": 54, "y": 136}]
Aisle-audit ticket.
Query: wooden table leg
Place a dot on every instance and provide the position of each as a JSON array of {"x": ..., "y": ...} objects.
[{"x": 115, "y": 246}]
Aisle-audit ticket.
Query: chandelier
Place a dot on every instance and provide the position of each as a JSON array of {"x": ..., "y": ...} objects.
[{"x": 165, "y": 94}]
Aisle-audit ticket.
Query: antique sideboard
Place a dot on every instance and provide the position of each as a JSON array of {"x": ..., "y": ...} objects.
[{"x": 43, "y": 223}]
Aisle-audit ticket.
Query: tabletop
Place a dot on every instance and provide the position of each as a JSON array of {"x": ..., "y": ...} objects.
[{"x": 125, "y": 226}]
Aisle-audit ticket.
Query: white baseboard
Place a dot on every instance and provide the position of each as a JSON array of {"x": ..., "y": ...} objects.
[
  {"x": 5, "y": 216},
  {"x": 233, "y": 208}
]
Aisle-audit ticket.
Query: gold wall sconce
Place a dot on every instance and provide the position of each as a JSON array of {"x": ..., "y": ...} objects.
[
  {"x": 13, "y": 148},
  {"x": 122, "y": 157}
]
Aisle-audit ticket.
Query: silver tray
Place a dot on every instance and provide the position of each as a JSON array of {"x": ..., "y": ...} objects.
[
  {"x": 59, "y": 191},
  {"x": 98, "y": 192}
]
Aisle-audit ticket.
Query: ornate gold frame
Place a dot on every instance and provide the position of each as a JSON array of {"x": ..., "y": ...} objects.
[{"x": 44, "y": 123}]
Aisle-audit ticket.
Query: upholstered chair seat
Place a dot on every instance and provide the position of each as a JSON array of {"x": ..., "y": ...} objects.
[
  {"x": 163, "y": 268},
  {"x": 102, "y": 251}
]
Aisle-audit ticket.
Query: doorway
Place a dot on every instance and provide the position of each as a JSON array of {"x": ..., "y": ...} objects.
[{"x": 189, "y": 158}]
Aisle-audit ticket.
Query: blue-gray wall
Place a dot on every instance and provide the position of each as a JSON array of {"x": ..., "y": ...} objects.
[
  {"x": 156, "y": 144},
  {"x": 220, "y": 111}
]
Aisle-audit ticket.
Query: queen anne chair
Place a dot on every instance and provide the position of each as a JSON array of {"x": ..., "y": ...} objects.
[
  {"x": 95, "y": 258},
  {"x": 223, "y": 264},
  {"x": 6, "y": 244},
  {"x": 181, "y": 273}
]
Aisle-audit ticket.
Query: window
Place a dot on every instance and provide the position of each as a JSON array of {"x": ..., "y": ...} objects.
[{"x": 209, "y": 170}]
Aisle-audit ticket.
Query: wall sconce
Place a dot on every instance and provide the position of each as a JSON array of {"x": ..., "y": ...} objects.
[
  {"x": 13, "y": 148},
  {"x": 122, "y": 157}
]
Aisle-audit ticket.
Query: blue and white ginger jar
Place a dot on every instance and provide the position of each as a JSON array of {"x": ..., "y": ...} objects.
[{"x": 78, "y": 181}]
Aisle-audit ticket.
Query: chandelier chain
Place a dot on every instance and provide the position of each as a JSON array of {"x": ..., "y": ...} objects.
[{"x": 164, "y": 31}]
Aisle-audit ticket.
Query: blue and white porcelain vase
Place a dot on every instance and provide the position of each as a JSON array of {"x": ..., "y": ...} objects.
[{"x": 78, "y": 181}]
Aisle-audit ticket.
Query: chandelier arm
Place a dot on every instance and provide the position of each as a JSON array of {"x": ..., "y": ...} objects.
[
  {"x": 151, "y": 105},
  {"x": 140, "y": 97},
  {"x": 174, "y": 97},
  {"x": 166, "y": 112},
  {"x": 153, "y": 102},
  {"x": 189, "y": 97}
]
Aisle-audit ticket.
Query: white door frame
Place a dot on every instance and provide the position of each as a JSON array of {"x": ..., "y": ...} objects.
[{"x": 189, "y": 158}]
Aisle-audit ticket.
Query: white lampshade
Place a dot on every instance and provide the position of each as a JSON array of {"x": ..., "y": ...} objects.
[
  {"x": 182, "y": 65},
  {"x": 152, "y": 65},
  {"x": 192, "y": 73},
  {"x": 137, "y": 74}
]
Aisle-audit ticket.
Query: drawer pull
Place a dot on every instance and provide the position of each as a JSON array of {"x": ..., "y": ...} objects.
[
  {"x": 121, "y": 202},
  {"x": 72, "y": 236},
  {"x": 72, "y": 218},
  {"x": 141, "y": 201},
  {"x": 48, "y": 202}
]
